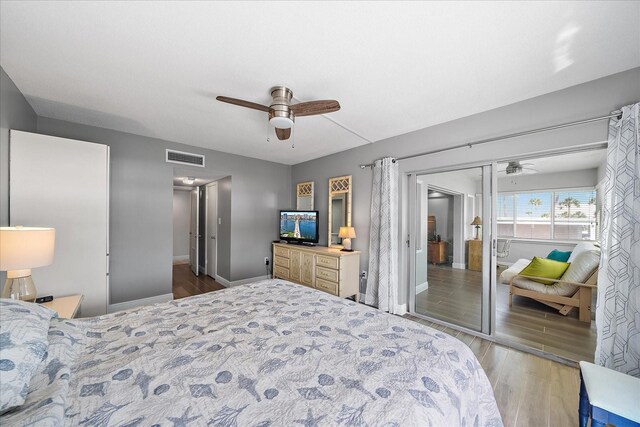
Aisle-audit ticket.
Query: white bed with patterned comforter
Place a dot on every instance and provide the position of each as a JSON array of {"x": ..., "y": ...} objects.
[{"x": 270, "y": 353}]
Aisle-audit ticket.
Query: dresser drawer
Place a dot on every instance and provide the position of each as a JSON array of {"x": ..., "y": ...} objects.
[
  {"x": 326, "y": 286},
  {"x": 280, "y": 272},
  {"x": 283, "y": 252},
  {"x": 328, "y": 274},
  {"x": 328, "y": 261},
  {"x": 281, "y": 262}
]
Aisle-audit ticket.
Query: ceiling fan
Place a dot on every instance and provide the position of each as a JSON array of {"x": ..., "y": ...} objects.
[
  {"x": 282, "y": 114},
  {"x": 516, "y": 168}
]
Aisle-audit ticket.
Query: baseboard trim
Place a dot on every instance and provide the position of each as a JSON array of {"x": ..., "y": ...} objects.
[
  {"x": 112, "y": 308},
  {"x": 181, "y": 259},
  {"x": 422, "y": 287},
  {"x": 224, "y": 282},
  {"x": 230, "y": 284},
  {"x": 249, "y": 280},
  {"x": 459, "y": 265}
]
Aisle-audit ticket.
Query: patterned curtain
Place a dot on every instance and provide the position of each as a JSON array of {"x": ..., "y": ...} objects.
[
  {"x": 617, "y": 311},
  {"x": 382, "y": 282}
]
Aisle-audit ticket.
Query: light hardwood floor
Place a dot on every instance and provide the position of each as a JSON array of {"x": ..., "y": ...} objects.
[
  {"x": 454, "y": 296},
  {"x": 530, "y": 391}
]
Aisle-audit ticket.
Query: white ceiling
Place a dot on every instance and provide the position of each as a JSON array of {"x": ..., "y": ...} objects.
[{"x": 154, "y": 68}]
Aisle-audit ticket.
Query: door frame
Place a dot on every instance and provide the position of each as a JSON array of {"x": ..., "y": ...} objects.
[
  {"x": 196, "y": 258},
  {"x": 489, "y": 196},
  {"x": 211, "y": 227}
]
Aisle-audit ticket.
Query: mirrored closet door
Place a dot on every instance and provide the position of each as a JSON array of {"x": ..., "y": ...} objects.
[{"x": 450, "y": 246}]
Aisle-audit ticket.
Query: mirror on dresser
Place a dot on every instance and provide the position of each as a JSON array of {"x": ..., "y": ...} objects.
[
  {"x": 339, "y": 209},
  {"x": 304, "y": 196}
]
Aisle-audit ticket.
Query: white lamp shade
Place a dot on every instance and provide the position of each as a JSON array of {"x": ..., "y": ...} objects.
[
  {"x": 347, "y": 233},
  {"x": 23, "y": 248}
]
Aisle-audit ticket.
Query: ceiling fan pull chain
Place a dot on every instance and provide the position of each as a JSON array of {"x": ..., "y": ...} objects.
[{"x": 268, "y": 129}]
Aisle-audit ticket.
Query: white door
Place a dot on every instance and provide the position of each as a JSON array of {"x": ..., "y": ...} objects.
[
  {"x": 212, "y": 228},
  {"x": 194, "y": 234},
  {"x": 64, "y": 183}
]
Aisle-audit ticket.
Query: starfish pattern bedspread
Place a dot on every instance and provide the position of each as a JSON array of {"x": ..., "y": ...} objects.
[{"x": 269, "y": 353}]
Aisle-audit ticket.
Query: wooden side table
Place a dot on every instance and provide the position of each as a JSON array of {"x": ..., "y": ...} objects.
[
  {"x": 437, "y": 252},
  {"x": 66, "y": 307},
  {"x": 474, "y": 252}
]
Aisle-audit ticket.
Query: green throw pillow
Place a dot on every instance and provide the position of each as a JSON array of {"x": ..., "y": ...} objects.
[
  {"x": 547, "y": 268},
  {"x": 557, "y": 255}
]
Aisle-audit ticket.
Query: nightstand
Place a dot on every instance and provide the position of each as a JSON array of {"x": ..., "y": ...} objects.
[{"x": 66, "y": 307}]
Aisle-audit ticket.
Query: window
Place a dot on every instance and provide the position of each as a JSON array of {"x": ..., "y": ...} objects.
[{"x": 548, "y": 215}]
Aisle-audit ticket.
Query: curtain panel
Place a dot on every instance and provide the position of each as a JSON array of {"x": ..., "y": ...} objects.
[
  {"x": 617, "y": 310},
  {"x": 382, "y": 281}
]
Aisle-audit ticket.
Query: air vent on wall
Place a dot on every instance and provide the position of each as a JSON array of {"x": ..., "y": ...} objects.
[{"x": 183, "y": 158}]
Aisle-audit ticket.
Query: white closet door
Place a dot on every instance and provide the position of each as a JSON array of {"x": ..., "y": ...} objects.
[{"x": 64, "y": 183}]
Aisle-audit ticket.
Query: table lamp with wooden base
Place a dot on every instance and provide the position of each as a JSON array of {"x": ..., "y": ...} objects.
[{"x": 477, "y": 222}]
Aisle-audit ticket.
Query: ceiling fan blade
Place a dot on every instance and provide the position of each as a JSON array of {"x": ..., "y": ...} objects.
[
  {"x": 283, "y": 134},
  {"x": 313, "y": 108},
  {"x": 243, "y": 103}
]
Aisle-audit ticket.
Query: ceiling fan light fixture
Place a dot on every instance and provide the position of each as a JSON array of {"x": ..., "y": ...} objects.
[
  {"x": 514, "y": 168},
  {"x": 281, "y": 122}
]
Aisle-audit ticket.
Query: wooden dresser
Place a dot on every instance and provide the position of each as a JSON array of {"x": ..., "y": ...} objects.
[
  {"x": 320, "y": 267},
  {"x": 474, "y": 251},
  {"x": 437, "y": 252}
]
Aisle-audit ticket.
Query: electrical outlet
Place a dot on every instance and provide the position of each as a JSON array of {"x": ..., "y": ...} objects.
[
  {"x": 266, "y": 260},
  {"x": 363, "y": 275}
]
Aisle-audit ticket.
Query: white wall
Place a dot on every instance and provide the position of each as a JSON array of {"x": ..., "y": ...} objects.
[
  {"x": 181, "y": 224},
  {"x": 527, "y": 249}
]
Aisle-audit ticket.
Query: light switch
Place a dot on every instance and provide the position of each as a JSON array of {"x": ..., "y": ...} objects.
[{"x": 219, "y": 221}]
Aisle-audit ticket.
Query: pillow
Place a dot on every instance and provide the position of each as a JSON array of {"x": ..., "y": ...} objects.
[
  {"x": 547, "y": 268},
  {"x": 557, "y": 255},
  {"x": 582, "y": 247},
  {"x": 24, "y": 329},
  {"x": 582, "y": 267}
]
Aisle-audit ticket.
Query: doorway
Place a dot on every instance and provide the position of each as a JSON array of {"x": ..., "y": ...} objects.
[{"x": 201, "y": 215}]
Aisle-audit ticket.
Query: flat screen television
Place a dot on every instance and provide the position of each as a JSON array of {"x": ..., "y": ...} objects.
[{"x": 299, "y": 226}]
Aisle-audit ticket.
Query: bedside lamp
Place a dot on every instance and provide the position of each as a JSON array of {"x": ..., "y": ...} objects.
[
  {"x": 347, "y": 233},
  {"x": 477, "y": 222},
  {"x": 21, "y": 249}
]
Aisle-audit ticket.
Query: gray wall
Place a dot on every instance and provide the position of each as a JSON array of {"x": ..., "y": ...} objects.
[
  {"x": 442, "y": 208},
  {"x": 141, "y": 208},
  {"x": 15, "y": 113},
  {"x": 181, "y": 222},
  {"x": 591, "y": 99},
  {"x": 223, "y": 267}
]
